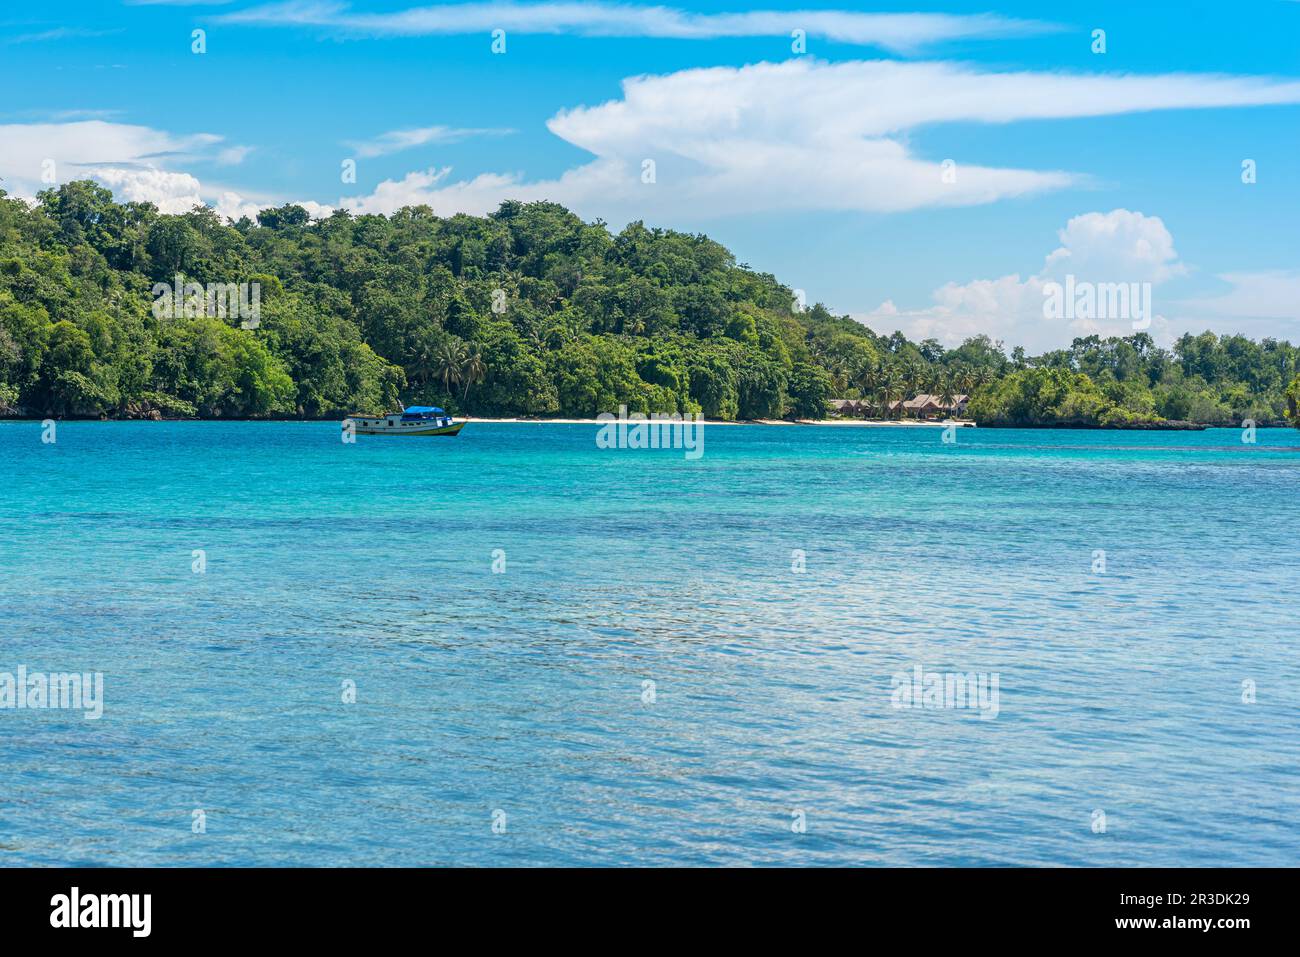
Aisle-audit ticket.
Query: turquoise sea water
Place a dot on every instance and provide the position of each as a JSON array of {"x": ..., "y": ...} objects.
[{"x": 524, "y": 692}]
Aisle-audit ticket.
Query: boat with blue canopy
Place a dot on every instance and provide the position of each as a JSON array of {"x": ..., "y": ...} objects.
[{"x": 412, "y": 420}]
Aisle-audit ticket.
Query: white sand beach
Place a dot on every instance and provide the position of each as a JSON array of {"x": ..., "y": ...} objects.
[{"x": 891, "y": 423}]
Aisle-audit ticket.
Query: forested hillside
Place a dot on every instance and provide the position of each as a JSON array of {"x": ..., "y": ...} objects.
[{"x": 528, "y": 311}]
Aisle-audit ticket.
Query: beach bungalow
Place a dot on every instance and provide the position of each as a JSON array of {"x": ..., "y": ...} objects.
[
  {"x": 848, "y": 407},
  {"x": 929, "y": 406}
]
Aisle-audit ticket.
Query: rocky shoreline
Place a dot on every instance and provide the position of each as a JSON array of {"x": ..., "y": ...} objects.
[{"x": 1163, "y": 425}]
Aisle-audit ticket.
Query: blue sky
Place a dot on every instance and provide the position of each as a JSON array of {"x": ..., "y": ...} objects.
[{"x": 822, "y": 167}]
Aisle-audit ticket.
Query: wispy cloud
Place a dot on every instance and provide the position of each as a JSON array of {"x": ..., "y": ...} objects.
[
  {"x": 32, "y": 152},
  {"x": 61, "y": 116},
  {"x": 233, "y": 155},
  {"x": 60, "y": 33},
  {"x": 65, "y": 116},
  {"x": 807, "y": 135},
  {"x": 899, "y": 32},
  {"x": 138, "y": 163},
  {"x": 793, "y": 137},
  {"x": 1267, "y": 301},
  {"x": 395, "y": 141}
]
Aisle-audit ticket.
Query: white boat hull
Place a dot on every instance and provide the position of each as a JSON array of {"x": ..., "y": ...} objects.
[{"x": 394, "y": 425}]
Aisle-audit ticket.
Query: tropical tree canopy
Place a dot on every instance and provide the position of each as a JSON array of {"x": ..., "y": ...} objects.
[{"x": 526, "y": 311}]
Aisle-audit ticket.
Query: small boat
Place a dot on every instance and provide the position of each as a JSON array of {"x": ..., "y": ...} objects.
[{"x": 414, "y": 420}]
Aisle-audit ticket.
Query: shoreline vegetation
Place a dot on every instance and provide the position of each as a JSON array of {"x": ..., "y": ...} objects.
[
  {"x": 1164, "y": 426},
  {"x": 526, "y": 314}
]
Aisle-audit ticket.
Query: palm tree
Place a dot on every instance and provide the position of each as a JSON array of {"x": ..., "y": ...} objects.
[
  {"x": 474, "y": 369},
  {"x": 838, "y": 369},
  {"x": 890, "y": 387},
  {"x": 448, "y": 364},
  {"x": 913, "y": 377},
  {"x": 536, "y": 336},
  {"x": 423, "y": 357},
  {"x": 866, "y": 377},
  {"x": 946, "y": 389}
]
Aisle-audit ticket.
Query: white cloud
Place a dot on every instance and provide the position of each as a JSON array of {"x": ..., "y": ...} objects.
[
  {"x": 900, "y": 32},
  {"x": 233, "y": 155},
  {"x": 75, "y": 148},
  {"x": 235, "y": 206},
  {"x": 395, "y": 141},
  {"x": 1257, "y": 304},
  {"x": 130, "y": 160},
  {"x": 484, "y": 193},
  {"x": 231, "y": 205},
  {"x": 807, "y": 135},
  {"x": 1120, "y": 246}
]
